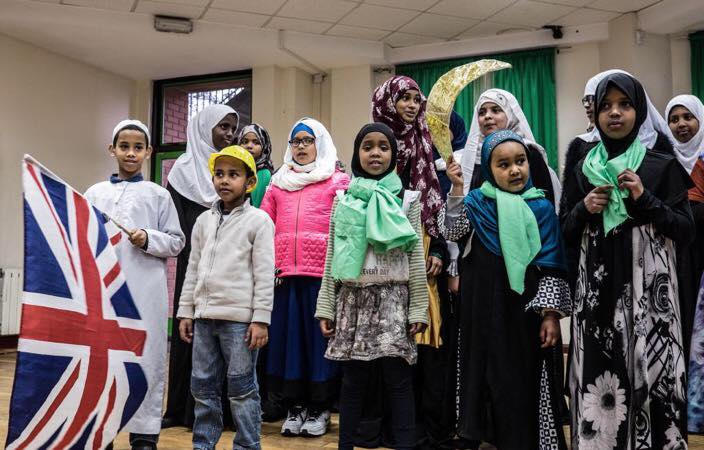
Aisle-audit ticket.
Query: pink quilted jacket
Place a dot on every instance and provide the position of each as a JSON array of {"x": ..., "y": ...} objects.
[{"x": 302, "y": 220}]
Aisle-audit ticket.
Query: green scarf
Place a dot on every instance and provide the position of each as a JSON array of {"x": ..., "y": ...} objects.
[
  {"x": 600, "y": 171},
  {"x": 370, "y": 213},
  {"x": 519, "y": 235}
]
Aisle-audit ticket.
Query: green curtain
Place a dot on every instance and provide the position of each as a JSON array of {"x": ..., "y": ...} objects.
[
  {"x": 531, "y": 80},
  {"x": 696, "y": 42}
]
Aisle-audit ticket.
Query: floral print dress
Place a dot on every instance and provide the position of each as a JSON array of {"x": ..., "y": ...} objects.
[
  {"x": 627, "y": 377},
  {"x": 628, "y": 370}
]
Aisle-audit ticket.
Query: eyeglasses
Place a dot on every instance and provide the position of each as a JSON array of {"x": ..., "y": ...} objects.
[
  {"x": 306, "y": 141},
  {"x": 587, "y": 100}
]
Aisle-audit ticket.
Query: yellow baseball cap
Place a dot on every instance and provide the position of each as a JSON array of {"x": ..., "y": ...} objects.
[{"x": 237, "y": 152}]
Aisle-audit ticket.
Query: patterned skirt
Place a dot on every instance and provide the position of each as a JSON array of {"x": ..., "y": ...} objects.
[
  {"x": 696, "y": 368},
  {"x": 372, "y": 322}
]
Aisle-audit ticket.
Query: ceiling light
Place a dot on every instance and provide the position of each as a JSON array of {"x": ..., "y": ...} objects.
[{"x": 168, "y": 24}]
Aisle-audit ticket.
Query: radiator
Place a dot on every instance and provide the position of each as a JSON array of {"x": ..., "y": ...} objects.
[{"x": 11, "y": 301}]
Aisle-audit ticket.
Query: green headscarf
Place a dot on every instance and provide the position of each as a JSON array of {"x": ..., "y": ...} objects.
[
  {"x": 370, "y": 213},
  {"x": 600, "y": 171},
  {"x": 519, "y": 234}
]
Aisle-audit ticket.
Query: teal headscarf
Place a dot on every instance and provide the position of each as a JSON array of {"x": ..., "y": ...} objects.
[{"x": 521, "y": 227}]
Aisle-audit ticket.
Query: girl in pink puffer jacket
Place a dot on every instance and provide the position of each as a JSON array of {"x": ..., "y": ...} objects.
[{"x": 299, "y": 201}]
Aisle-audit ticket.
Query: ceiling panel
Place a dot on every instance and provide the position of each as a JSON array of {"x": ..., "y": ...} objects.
[
  {"x": 304, "y": 26},
  {"x": 476, "y": 9},
  {"x": 584, "y": 16},
  {"x": 622, "y": 5},
  {"x": 325, "y": 10},
  {"x": 369, "y": 34},
  {"x": 182, "y": 2},
  {"x": 399, "y": 39},
  {"x": 417, "y": 5},
  {"x": 486, "y": 28},
  {"x": 169, "y": 9},
  {"x": 438, "y": 26},
  {"x": 258, "y": 6},
  {"x": 531, "y": 13},
  {"x": 372, "y": 16},
  {"x": 567, "y": 2},
  {"x": 112, "y": 5},
  {"x": 235, "y": 17}
]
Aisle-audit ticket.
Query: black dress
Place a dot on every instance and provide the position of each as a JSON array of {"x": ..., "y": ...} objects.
[
  {"x": 179, "y": 404},
  {"x": 628, "y": 373},
  {"x": 509, "y": 389}
]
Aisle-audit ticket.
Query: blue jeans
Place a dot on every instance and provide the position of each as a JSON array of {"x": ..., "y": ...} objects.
[{"x": 219, "y": 347}]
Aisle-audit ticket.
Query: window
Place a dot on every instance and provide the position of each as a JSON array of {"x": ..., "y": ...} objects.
[{"x": 177, "y": 100}]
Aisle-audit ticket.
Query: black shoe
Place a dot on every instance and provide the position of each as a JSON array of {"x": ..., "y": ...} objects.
[
  {"x": 144, "y": 447},
  {"x": 272, "y": 412},
  {"x": 169, "y": 422}
]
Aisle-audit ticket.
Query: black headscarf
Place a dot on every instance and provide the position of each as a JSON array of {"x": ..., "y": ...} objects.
[
  {"x": 264, "y": 160},
  {"x": 635, "y": 92},
  {"x": 371, "y": 128}
]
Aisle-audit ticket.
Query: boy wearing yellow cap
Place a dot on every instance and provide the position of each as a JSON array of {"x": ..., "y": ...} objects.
[{"x": 225, "y": 305}]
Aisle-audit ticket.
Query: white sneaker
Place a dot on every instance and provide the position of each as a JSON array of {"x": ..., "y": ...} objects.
[
  {"x": 316, "y": 423},
  {"x": 294, "y": 421}
]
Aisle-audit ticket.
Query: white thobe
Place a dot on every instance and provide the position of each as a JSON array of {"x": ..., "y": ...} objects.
[{"x": 145, "y": 205}]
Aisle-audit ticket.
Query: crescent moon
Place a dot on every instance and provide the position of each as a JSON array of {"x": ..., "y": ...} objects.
[{"x": 442, "y": 98}]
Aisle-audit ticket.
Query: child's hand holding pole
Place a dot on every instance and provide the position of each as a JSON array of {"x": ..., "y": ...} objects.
[{"x": 454, "y": 173}]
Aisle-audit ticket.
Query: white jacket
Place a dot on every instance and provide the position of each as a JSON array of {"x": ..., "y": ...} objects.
[{"x": 230, "y": 273}]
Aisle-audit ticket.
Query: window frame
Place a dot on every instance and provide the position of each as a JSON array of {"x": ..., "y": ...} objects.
[{"x": 157, "y": 115}]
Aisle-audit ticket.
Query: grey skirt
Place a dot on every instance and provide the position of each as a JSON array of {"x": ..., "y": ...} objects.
[{"x": 372, "y": 322}]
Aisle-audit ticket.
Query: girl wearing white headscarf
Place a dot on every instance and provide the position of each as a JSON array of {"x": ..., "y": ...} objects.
[
  {"x": 191, "y": 188},
  {"x": 543, "y": 176},
  {"x": 684, "y": 116},
  {"x": 299, "y": 201}
]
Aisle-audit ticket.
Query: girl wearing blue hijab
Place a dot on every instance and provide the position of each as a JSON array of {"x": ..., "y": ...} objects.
[{"x": 513, "y": 295}]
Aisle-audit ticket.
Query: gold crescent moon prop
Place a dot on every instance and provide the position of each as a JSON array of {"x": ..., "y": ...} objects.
[{"x": 443, "y": 95}]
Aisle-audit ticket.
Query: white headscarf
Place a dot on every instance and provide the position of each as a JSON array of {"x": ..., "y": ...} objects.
[
  {"x": 294, "y": 177},
  {"x": 648, "y": 132},
  {"x": 688, "y": 152},
  {"x": 517, "y": 123},
  {"x": 190, "y": 175}
]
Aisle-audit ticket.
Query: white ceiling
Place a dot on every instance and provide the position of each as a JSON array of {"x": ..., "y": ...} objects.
[
  {"x": 399, "y": 23},
  {"x": 232, "y": 34}
]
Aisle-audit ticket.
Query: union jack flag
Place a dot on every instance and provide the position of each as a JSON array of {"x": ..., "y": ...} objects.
[{"x": 78, "y": 378}]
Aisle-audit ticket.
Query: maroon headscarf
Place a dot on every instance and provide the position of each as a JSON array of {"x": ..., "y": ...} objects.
[{"x": 415, "y": 164}]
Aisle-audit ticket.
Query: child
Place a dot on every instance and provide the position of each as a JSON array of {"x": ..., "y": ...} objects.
[
  {"x": 513, "y": 293},
  {"x": 400, "y": 104},
  {"x": 374, "y": 298},
  {"x": 256, "y": 140},
  {"x": 191, "y": 188},
  {"x": 147, "y": 210},
  {"x": 497, "y": 109},
  {"x": 627, "y": 208},
  {"x": 225, "y": 305},
  {"x": 684, "y": 115},
  {"x": 299, "y": 201}
]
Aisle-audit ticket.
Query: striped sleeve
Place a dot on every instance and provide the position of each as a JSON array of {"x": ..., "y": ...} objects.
[
  {"x": 417, "y": 283},
  {"x": 325, "y": 308}
]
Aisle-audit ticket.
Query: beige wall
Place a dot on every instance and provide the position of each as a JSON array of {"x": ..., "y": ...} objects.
[
  {"x": 280, "y": 96},
  {"x": 60, "y": 111},
  {"x": 350, "y": 106},
  {"x": 573, "y": 68}
]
